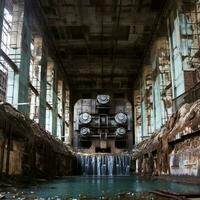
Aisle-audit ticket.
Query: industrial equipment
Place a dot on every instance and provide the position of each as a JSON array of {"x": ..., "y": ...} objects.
[{"x": 102, "y": 125}]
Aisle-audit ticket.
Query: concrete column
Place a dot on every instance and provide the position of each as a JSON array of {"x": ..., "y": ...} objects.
[
  {"x": 63, "y": 108},
  {"x": 2, "y": 4},
  {"x": 55, "y": 106},
  {"x": 24, "y": 66},
  {"x": 72, "y": 101}
]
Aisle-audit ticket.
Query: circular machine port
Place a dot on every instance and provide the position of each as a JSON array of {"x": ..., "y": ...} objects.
[
  {"x": 85, "y": 118},
  {"x": 103, "y": 99},
  {"x": 121, "y": 118},
  {"x": 85, "y": 132},
  {"x": 120, "y": 132}
]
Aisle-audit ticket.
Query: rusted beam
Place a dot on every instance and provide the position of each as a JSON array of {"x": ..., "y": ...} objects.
[{"x": 89, "y": 75}]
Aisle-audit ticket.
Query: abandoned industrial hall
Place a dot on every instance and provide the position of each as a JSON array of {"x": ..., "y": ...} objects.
[{"x": 99, "y": 98}]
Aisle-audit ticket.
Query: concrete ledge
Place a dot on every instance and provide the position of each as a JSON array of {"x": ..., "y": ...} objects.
[
  {"x": 27, "y": 149},
  {"x": 179, "y": 179}
]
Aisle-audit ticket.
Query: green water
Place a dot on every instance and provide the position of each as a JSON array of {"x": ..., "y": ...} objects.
[{"x": 99, "y": 186}]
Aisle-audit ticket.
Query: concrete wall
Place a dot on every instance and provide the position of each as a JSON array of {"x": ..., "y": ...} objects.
[
  {"x": 174, "y": 150},
  {"x": 23, "y": 84},
  {"x": 173, "y": 65},
  {"x": 28, "y": 150},
  {"x": 15, "y": 157},
  {"x": 185, "y": 158}
]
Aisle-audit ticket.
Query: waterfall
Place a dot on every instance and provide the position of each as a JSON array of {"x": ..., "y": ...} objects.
[{"x": 102, "y": 165}]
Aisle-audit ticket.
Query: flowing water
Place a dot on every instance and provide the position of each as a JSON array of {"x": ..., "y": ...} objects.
[
  {"x": 102, "y": 165},
  {"x": 103, "y": 175}
]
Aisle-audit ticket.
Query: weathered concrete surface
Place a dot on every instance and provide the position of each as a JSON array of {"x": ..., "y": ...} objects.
[
  {"x": 174, "y": 150},
  {"x": 185, "y": 157},
  {"x": 26, "y": 149}
]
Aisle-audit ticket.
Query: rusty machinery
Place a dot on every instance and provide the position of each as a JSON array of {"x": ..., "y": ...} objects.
[{"x": 102, "y": 125}]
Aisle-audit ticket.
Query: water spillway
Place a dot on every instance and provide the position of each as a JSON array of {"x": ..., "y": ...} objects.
[{"x": 102, "y": 165}]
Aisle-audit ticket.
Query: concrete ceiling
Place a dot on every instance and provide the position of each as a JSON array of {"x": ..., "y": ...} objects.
[{"x": 102, "y": 43}]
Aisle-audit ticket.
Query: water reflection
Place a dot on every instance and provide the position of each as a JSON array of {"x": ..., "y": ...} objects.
[{"x": 98, "y": 186}]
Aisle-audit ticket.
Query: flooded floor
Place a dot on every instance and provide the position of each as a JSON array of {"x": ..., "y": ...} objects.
[{"x": 95, "y": 187}]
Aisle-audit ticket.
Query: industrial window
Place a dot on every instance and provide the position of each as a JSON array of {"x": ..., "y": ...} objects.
[
  {"x": 8, "y": 91},
  {"x": 185, "y": 58},
  {"x": 67, "y": 106},
  {"x": 12, "y": 29},
  {"x": 137, "y": 113},
  {"x": 34, "y": 105},
  {"x": 49, "y": 95},
  {"x": 165, "y": 80},
  {"x": 11, "y": 50},
  {"x": 175, "y": 54},
  {"x": 35, "y": 77},
  {"x": 59, "y": 127},
  {"x": 60, "y": 97},
  {"x": 49, "y": 119},
  {"x": 7, "y": 23},
  {"x": 35, "y": 66},
  {"x": 50, "y": 82},
  {"x": 60, "y": 109},
  {"x": 3, "y": 80},
  {"x": 148, "y": 103},
  {"x": 162, "y": 85},
  {"x": 190, "y": 32},
  {"x": 67, "y": 136}
]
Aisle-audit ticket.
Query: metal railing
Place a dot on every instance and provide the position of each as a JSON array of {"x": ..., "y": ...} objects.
[{"x": 189, "y": 96}]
